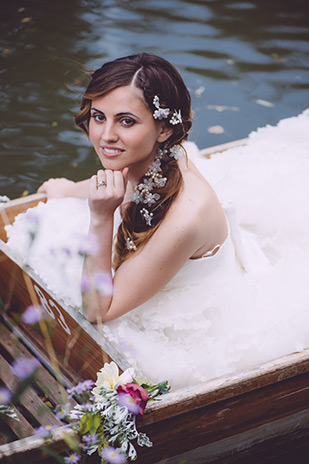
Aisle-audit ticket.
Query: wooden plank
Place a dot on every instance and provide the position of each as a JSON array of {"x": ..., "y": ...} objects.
[
  {"x": 30, "y": 399},
  {"x": 28, "y": 449},
  {"x": 226, "y": 418},
  {"x": 207, "y": 152},
  {"x": 44, "y": 380}
]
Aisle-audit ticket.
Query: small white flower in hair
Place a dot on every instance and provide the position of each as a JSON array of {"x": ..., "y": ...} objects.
[
  {"x": 160, "y": 113},
  {"x": 176, "y": 118}
]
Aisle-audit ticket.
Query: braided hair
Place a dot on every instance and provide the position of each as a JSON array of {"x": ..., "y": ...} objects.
[{"x": 154, "y": 76}]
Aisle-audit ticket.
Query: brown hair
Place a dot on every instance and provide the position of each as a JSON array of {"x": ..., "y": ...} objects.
[{"x": 154, "y": 76}]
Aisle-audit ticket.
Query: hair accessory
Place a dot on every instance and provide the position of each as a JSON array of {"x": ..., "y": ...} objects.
[
  {"x": 176, "y": 118},
  {"x": 160, "y": 113},
  {"x": 153, "y": 179},
  {"x": 147, "y": 216},
  {"x": 176, "y": 151},
  {"x": 130, "y": 244}
]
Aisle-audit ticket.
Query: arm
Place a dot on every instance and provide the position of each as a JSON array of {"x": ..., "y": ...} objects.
[
  {"x": 61, "y": 188},
  {"x": 148, "y": 270}
]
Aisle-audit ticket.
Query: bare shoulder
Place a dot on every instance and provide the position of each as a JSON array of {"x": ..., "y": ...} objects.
[{"x": 198, "y": 205}]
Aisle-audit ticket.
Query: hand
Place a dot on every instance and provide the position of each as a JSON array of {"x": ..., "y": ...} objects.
[
  {"x": 104, "y": 199},
  {"x": 57, "y": 188}
]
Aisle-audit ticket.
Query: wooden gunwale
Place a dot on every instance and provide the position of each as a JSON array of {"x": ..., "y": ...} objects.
[{"x": 191, "y": 417}]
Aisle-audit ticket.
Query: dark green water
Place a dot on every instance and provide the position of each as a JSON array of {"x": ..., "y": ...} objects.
[{"x": 245, "y": 63}]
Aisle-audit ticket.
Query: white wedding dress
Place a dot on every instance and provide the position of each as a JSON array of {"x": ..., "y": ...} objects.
[{"x": 246, "y": 304}]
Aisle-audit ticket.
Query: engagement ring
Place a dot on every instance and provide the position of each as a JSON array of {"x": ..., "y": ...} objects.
[{"x": 100, "y": 183}]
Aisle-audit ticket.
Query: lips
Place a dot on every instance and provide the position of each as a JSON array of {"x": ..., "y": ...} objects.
[{"x": 111, "y": 152}]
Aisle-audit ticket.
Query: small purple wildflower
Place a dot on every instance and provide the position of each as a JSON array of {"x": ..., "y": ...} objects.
[
  {"x": 113, "y": 456},
  {"x": 85, "y": 284},
  {"x": 73, "y": 458},
  {"x": 24, "y": 367},
  {"x": 103, "y": 283},
  {"x": 32, "y": 315},
  {"x": 63, "y": 411},
  {"x": 85, "y": 385},
  {"x": 124, "y": 399},
  {"x": 44, "y": 431},
  {"x": 88, "y": 245},
  {"x": 90, "y": 439},
  {"x": 5, "y": 395}
]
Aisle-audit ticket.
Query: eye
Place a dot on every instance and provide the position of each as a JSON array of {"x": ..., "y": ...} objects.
[
  {"x": 98, "y": 117},
  {"x": 127, "y": 122}
]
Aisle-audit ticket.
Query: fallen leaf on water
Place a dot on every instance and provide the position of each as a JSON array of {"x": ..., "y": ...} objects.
[
  {"x": 223, "y": 108},
  {"x": 25, "y": 193},
  {"x": 25, "y": 20},
  {"x": 6, "y": 51},
  {"x": 198, "y": 92},
  {"x": 215, "y": 130},
  {"x": 21, "y": 9},
  {"x": 54, "y": 124},
  {"x": 264, "y": 103}
]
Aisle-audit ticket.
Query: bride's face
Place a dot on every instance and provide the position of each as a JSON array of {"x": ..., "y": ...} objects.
[{"x": 123, "y": 130}]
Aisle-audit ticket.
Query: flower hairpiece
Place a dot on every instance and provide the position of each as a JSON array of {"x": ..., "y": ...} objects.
[
  {"x": 159, "y": 113},
  {"x": 176, "y": 118},
  {"x": 163, "y": 113}
]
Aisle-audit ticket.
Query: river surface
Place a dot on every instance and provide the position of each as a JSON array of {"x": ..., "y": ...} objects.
[{"x": 246, "y": 65}]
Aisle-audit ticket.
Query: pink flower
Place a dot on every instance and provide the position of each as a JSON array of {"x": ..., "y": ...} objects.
[
  {"x": 24, "y": 367},
  {"x": 32, "y": 315},
  {"x": 138, "y": 393}
]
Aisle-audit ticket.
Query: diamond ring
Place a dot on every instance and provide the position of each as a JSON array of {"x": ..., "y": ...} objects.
[{"x": 101, "y": 182}]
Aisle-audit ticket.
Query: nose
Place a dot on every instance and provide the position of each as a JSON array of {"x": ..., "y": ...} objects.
[{"x": 109, "y": 132}]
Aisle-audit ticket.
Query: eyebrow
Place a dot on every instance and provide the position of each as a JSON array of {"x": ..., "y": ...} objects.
[{"x": 124, "y": 113}]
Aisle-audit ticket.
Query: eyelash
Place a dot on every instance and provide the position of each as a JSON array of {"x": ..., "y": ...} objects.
[{"x": 127, "y": 122}]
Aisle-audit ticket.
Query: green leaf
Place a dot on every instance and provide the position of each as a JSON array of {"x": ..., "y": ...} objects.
[{"x": 90, "y": 423}]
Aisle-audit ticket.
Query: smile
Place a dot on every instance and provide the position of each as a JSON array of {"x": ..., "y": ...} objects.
[{"x": 111, "y": 151}]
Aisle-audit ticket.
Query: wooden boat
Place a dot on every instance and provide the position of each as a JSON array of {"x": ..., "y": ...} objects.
[{"x": 217, "y": 421}]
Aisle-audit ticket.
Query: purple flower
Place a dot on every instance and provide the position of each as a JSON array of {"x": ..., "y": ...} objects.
[
  {"x": 73, "y": 458},
  {"x": 85, "y": 284},
  {"x": 85, "y": 385},
  {"x": 103, "y": 283},
  {"x": 32, "y": 315},
  {"x": 124, "y": 399},
  {"x": 88, "y": 245},
  {"x": 113, "y": 456},
  {"x": 63, "y": 411},
  {"x": 5, "y": 395},
  {"x": 90, "y": 439},
  {"x": 44, "y": 432},
  {"x": 24, "y": 367}
]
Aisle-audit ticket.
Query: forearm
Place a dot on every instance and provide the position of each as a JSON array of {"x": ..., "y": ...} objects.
[
  {"x": 63, "y": 188},
  {"x": 97, "y": 272}
]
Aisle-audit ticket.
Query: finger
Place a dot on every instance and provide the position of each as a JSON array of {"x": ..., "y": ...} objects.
[
  {"x": 125, "y": 176},
  {"x": 120, "y": 183},
  {"x": 93, "y": 186},
  {"x": 101, "y": 179},
  {"x": 109, "y": 179}
]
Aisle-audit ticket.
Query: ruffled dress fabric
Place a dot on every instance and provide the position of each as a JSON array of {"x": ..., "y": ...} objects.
[{"x": 245, "y": 305}]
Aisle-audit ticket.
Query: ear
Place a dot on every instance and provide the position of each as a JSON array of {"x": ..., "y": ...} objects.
[{"x": 165, "y": 133}]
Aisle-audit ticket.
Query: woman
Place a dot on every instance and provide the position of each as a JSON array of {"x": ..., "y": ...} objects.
[
  {"x": 184, "y": 306},
  {"x": 136, "y": 111}
]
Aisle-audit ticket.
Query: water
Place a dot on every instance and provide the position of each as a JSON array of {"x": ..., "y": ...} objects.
[{"x": 245, "y": 63}]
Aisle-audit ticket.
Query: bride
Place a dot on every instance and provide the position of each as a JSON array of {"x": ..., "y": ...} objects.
[
  {"x": 196, "y": 292},
  {"x": 136, "y": 111}
]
